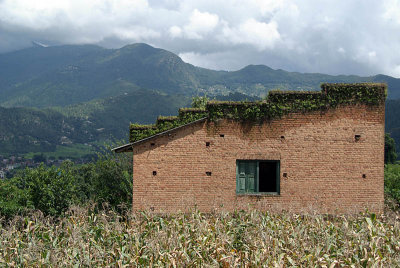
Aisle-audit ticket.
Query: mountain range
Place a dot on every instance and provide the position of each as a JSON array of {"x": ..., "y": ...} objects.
[{"x": 75, "y": 94}]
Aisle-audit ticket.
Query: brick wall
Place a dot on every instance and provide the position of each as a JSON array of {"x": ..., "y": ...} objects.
[{"x": 318, "y": 152}]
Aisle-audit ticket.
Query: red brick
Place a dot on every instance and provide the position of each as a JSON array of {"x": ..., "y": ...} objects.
[{"x": 323, "y": 162}]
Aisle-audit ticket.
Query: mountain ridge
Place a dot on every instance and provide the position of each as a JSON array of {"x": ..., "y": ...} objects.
[
  {"x": 50, "y": 96},
  {"x": 71, "y": 74}
]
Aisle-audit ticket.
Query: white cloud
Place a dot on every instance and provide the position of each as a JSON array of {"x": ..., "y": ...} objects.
[
  {"x": 200, "y": 24},
  {"x": 392, "y": 11},
  {"x": 175, "y": 31},
  {"x": 136, "y": 33},
  {"x": 260, "y": 34},
  {"x": 350, "y": 37}
]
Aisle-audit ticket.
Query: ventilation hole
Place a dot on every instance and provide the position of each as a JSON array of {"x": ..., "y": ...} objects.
[
  {"x": 154, "y": 173},
  {"x": 357, "y": 137},
  {"x": 282, "y": 137},
  {"x": 285, "y": 174},
  {"x": 152, "y": 208},
  {"x": 364, "y": 176},
  {"x": 208, "y": 173},
  {"x": 221, "y": 135},
  {"x": 207, "y": 143},
  {"x": 152, "y": 144}
]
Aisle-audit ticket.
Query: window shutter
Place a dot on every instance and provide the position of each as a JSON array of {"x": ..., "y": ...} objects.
[
  {"x": 251, "y": 177},
  {"x": 241, "y": 178},
  {"x": 242, "y": 183}
]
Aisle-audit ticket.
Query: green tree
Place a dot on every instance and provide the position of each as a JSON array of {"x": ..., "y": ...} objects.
[
  {"x": 392, "y": 181},
  {"x": 39, "y": 158},
  {"x": 200, "y": 102},
  {"x": 107, "y": 180},
  {"x": 390, "y": 149},
  {"x": 13, "y": 200},
  {"x": 112, "y": 179},
  {"x": 51, "y": 190},
  {"x": 54, "y": 189}
]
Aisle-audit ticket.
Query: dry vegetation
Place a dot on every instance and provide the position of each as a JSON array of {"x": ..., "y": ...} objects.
[{"x": 251, "y": 238}]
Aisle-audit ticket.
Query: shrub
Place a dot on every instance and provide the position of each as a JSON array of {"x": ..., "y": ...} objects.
[
  {"x": 390, "y": 149},
  {"x": 13, "y": 200},
  {"x": 392, "y": 181},
  {"x": 51, "y": 190}
]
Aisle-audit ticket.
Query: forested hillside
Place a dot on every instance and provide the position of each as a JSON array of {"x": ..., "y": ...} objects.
[
  {"x": 392, "y": 121},
  {"x": 24, "y": 130},
  {"x": 65, "y": 95},
  {"x": 65, "y": 75}
]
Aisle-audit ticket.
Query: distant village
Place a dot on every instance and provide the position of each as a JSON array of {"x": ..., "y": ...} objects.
[{"x": 9, "y": 165}]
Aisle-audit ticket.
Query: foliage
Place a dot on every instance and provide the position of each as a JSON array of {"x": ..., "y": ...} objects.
[
  {"x": 392, "y": 120},
  {"x": 200, "y": 102},
  {"x": 279, "y": 103},
  {"x": 392, "y": 181},
  {"x": 390, "y": 149},
  {"x": 248, "y": 239},
  {"x": 107, "y": 180},
  {"x": 65, "y": 130},
  {"x": 53, "y": 190},
  {"x": 13, "y": 200},
  {"x": 186, "y": 116},
  {"x": 50, "y": 190}
]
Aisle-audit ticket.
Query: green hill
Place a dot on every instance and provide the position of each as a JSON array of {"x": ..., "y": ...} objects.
[
  {"x": 88, "y": 94},
  {"x": 392, "y": 121},
  {"x": 65, "y": 75},
  {"x": 24, "y": 129}
]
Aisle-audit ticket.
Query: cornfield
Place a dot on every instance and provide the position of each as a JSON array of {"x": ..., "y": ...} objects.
[{"x": 243, "y": 238}]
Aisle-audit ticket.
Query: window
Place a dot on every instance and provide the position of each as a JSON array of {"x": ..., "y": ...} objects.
[{"x": 257, "y": 176}]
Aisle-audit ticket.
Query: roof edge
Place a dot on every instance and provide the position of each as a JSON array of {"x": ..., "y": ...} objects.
[{"x": 129, "y": 146}]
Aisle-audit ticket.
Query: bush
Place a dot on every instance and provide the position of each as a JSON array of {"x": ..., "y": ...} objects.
[
  {"x": 13, "y": 200},
  {"x": 392, "y": 181},
  {"x": 108, "y": 180},
  {"x": 53, "y": 190},
  {"x": 390, "y": 150},
  {"x": 200, "y": 102}
]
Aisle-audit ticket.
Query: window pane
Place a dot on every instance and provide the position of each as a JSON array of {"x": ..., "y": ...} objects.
[{"x": 268, "y": 177}]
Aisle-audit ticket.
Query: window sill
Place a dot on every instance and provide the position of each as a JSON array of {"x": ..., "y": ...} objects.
[{"x": 258, "y": 194}]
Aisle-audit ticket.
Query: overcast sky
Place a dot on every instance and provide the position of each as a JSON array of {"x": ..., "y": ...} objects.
[{"x": 327, "y": 36}]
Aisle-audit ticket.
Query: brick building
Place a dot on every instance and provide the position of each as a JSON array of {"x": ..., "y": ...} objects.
[{"x": 297, "y": 151}]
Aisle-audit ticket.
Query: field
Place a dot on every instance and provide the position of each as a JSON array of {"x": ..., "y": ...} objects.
[{"x": 243, "y": 238}]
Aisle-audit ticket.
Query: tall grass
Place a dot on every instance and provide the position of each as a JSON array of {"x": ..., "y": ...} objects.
[{"x": 251, "y": 238}]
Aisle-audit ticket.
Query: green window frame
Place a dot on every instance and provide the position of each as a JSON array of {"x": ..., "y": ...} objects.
[{"x": 248, "y": 179}]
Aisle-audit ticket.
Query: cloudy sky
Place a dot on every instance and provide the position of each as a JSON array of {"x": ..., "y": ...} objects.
[{"x": 327, "y": 36}]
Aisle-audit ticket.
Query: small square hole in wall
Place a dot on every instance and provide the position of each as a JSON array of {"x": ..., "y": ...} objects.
[
  {"x": 282, "y": 137},
  {"x": 364, "y": 176},
  {"x": 152, "y": 144},
  {"x": 284, "y": 175},
  {"x": 208, "y": 173},
  {"x": 357, "y": 137},
  {"x": 208, "y": 144},
  {"x": 221, "y": 135},
  {"x": 154, "y": 173}
]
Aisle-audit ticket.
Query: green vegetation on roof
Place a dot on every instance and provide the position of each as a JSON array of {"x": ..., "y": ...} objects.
[
  {"x": 164, "y": 123},
  {"x": 277, "y": 104}
]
